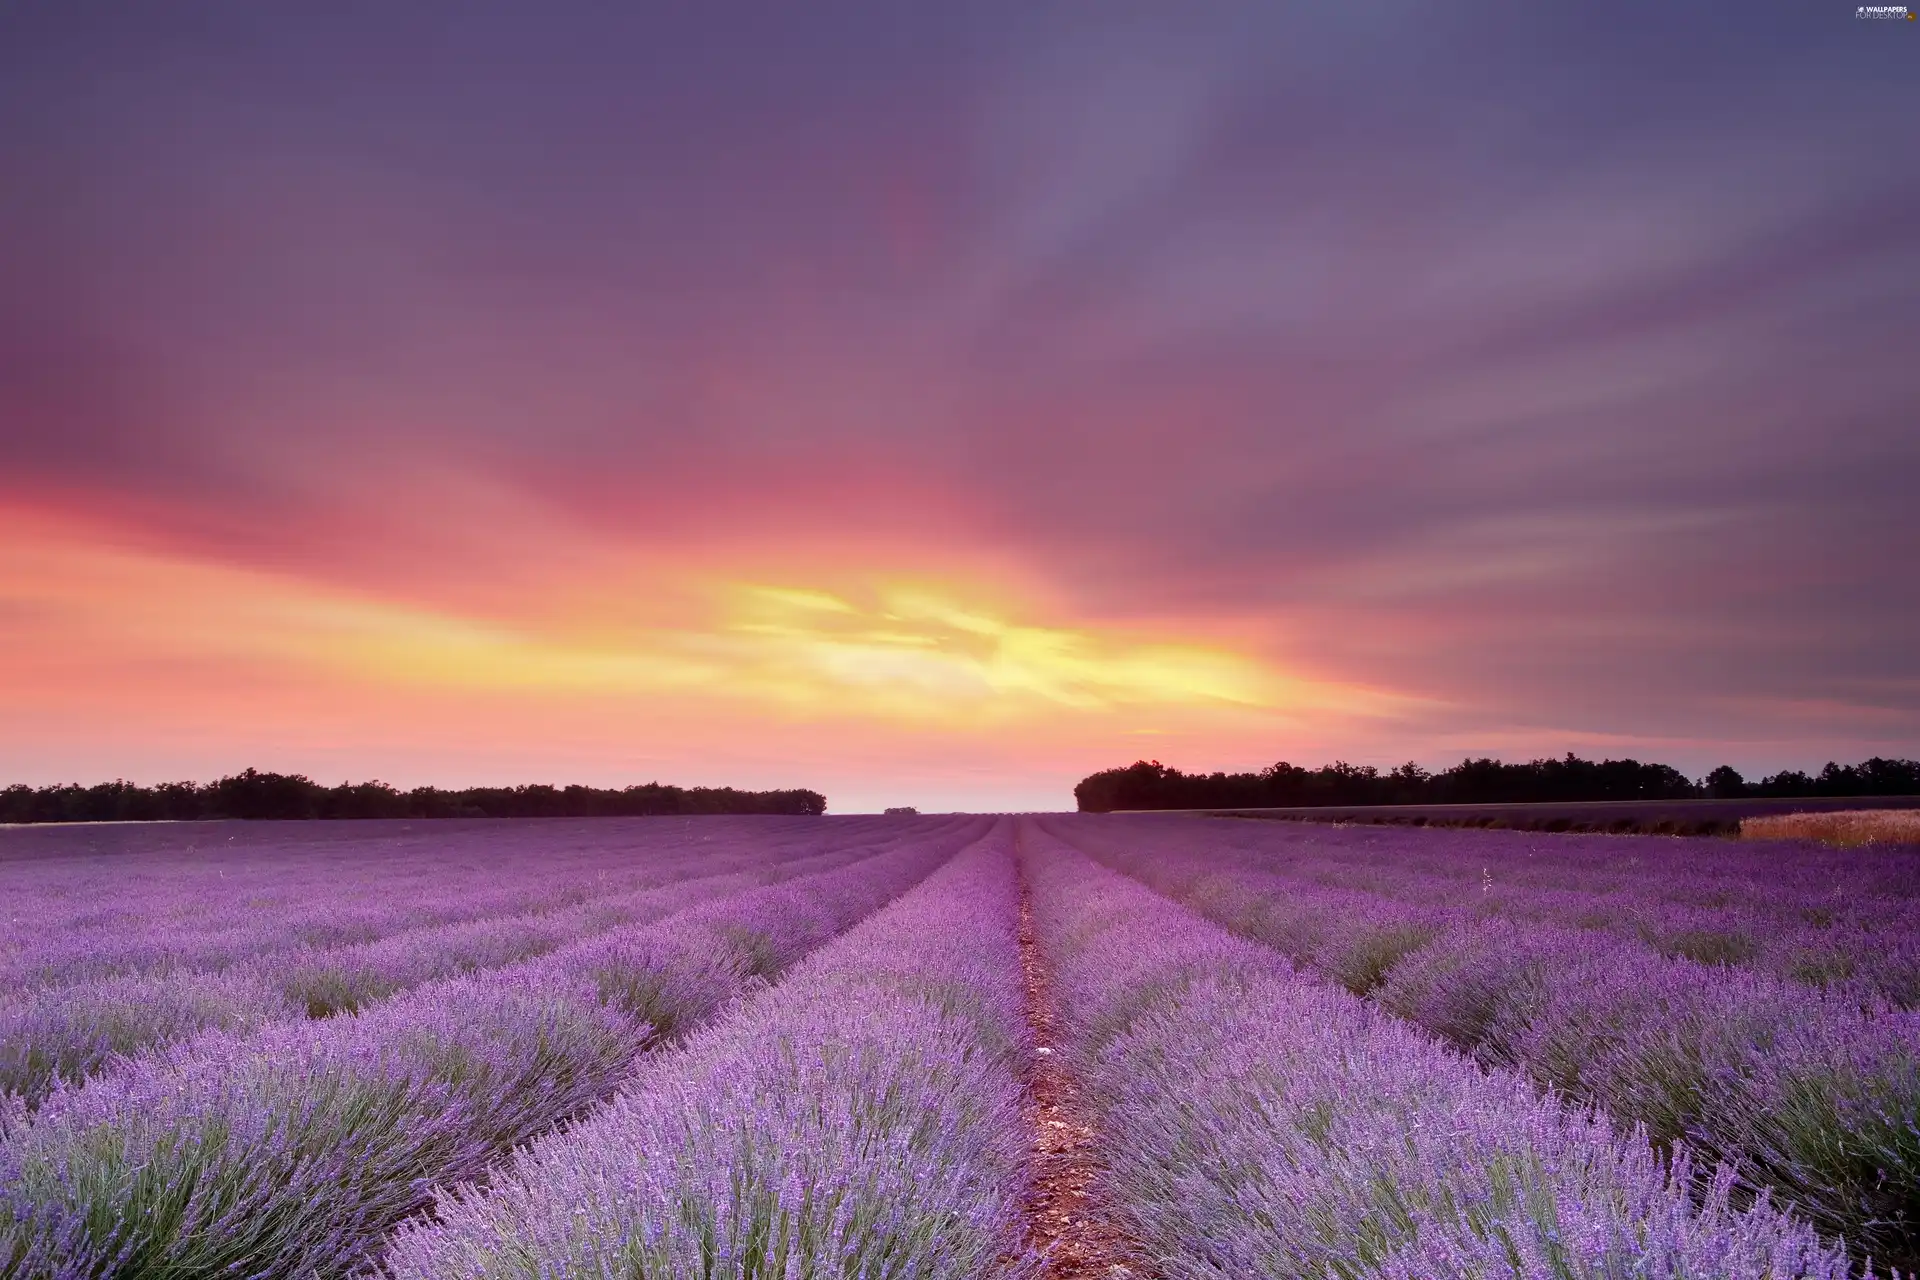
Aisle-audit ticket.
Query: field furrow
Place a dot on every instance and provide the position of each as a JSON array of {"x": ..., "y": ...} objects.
[{"x": 1073, "y": 1228}]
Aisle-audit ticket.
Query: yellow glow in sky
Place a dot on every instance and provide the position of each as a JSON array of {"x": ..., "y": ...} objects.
[
  {"x": 849, "y": 681},
  {"x": 918, "y": 652}
]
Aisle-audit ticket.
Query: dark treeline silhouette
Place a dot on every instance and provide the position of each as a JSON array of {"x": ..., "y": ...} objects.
[
  {"x": 290, "y": 795},
  {"x": 1151, "y": 785}
]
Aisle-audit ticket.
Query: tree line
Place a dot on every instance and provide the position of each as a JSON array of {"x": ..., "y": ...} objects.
[
  {"x": 1148, "y": 784},
  {"x": 256, "y": 795}
]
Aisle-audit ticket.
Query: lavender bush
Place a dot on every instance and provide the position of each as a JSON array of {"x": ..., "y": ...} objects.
[
  {"x": 292, "y": 1149},
  {"x": 289, "y": 1152},
  {"x": 82, "y": 918},
  {"x": 66, "y": 1033},
  {"x": 49, "y": 1036},
  {"x": 1798, "y": 911},
  {"x": 70, "y": 1031},
  {"x": 860, "y": 1121},
  {"x": 1812, "y": 1094},
  {"x": 1262, "y": 1124},
  {"x": 337, "y": 979}
]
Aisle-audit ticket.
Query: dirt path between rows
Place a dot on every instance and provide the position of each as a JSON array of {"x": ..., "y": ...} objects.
[{"x": 1064, "y": 1217}]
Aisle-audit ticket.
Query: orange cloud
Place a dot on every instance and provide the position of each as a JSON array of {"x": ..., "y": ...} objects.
[{"x": 92, "y": 622}]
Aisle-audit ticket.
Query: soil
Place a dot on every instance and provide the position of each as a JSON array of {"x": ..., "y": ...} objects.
[{"x": 1065, "y": 1219}]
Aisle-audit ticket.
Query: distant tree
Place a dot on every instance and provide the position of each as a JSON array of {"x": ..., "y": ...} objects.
[
  {"x": 1787, "y": 783},
  {"x": 1148, "y": 784},
  {"x": 1838, "y": 780},
  {"x": 1882, "y": 777},
  {"x": 1408, "y": 784},
  {"x": 1138, "y": 786},
  {"x": 255, "y": 795},
  {"x": 1725, "y": 783},
  {"x": 903, "y": 811},
  {"x": 363, "y": 800},
  {"x": 19, "y": 803},
  {"x": 252, "y": 794}
]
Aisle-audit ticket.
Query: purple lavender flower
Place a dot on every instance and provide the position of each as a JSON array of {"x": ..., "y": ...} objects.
[
  {"x": 69, "y": 1031},
  {"x": 1811, "y": 1093},
  {"x": 1259, "y": 1123},
  {"x": 50, "y": 1036},
  {"x": 292, "y": 1150},
  {"x": 861, "y": 1119}
]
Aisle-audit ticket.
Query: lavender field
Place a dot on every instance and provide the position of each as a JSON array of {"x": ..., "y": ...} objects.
[{"x": 952, "y": 1047}]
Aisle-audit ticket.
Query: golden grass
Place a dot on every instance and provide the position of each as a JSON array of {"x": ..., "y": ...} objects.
[{"x": 1845, "y": 827}]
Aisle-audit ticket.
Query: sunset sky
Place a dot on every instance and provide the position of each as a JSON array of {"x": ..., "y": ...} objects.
[{"x": 933, "y": 403}]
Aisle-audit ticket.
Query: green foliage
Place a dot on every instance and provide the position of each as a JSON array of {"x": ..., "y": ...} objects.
[
  {"x": 1711, "y": 946},
  {"x": 1148, "y": 784},
  {"x": 254, "y": 795},
  {"x": 1362, "y": 963}
]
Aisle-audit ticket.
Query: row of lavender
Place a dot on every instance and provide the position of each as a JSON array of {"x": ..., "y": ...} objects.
[
  {"x": 321, "y": 886},
  {"x": 291, "y": 1149},
  {"x": 85, "y": 919},
  {"x": 1257, "y": 1122},
  {"x": 65, "y": 1030},
  {"x": 1812, "y": 1093},
  {"x": 1804, "y": 912},
  {"x": 861, "y": 1120},
  {"x": 65, "y": 1033}
]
